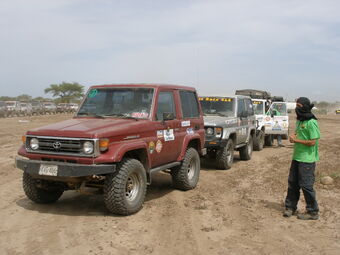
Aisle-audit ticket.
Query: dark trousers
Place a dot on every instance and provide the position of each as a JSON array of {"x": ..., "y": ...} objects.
[{"x": 301, "y": 176}]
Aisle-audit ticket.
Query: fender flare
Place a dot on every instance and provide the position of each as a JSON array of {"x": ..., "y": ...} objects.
[{"x": 187, "y": 139}]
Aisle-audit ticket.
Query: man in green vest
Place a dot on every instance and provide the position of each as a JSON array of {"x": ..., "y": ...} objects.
[{"x": 301, "y": 175}]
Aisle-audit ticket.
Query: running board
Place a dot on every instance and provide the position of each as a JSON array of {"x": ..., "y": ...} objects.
[{"x": 160, "y": 168}]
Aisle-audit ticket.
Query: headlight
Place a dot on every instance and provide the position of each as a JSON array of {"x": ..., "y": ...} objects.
[
  {"x": 88, "y": 147},
  {"x": 34, "y": 144},
  {"x": 210, "y": 131}
]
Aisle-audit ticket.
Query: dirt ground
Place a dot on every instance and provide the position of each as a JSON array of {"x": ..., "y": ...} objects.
[{"x": 238, "y": 211}]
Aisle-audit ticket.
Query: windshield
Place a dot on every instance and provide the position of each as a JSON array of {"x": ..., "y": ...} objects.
[
  {"x": 10, "y": 103},
  {"x": 277, "y": 109},
  {"x": 118, "y": 102},
  {"x": 35, "y": 103},
  {"x": 217, "y": 106},
  {"x": 258, "y": 107}
]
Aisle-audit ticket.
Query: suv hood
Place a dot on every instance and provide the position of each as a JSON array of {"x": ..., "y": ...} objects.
[
  {"x": 91, "y": 128},
  {"x": 219, "y": 121}
]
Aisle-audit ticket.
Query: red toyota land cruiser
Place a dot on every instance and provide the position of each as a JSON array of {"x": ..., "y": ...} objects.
[{"x": 120, "y": 135}]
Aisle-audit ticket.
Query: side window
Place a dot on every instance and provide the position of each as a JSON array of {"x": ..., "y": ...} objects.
[
  {"x": 189, "y": 104},
  {"x": 165, "y": 104},
  {"x": 240, "y": 107},
  {"x": 250, "y": 108}
]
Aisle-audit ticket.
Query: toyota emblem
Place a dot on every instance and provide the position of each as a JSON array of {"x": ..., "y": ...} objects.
[{"x": 57, "y": 145}]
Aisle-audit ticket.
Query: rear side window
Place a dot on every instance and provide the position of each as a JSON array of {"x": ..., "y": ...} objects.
[
  {"x": 189, "y": 104},
  {"x": 165, "y": 104}
]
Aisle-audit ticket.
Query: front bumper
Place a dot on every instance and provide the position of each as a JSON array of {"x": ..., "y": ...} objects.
[
  {"x": 215, "y": 143},
  {"x": 64, "y": 169}
]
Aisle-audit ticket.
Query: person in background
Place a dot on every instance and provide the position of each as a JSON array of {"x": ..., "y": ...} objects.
[
  {"x": 277, "y": 112},
  {"x": 305, "y": 156}
]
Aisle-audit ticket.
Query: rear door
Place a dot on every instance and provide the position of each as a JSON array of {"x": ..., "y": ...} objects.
[{"x": 277, "y": 120}]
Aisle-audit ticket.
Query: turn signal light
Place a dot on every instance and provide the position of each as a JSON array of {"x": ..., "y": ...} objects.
[
  {"x": 23, "y": 139},
  {"x": 218, "y": 131},
  {"x": 103, "y": 144}
]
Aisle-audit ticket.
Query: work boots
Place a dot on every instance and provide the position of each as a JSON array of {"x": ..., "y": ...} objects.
[{"x": 308, "y": 216}]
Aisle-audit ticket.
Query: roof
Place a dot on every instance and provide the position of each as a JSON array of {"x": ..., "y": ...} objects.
[
  {"x": 144, "y": 85},
  {"x": 231, "y": 96}
]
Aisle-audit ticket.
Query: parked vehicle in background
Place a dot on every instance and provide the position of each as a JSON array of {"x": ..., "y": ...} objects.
[
  {"x": 25, "y": 109},
  {"x": 13, "y": 108},
  {"x": 230, "y": 125},
  {"x": 63, "y": 108},
  {"x": 73, "y": 107},
  {"x": 3, "y": 109},
  {"x": 50, "y": 107},
  {"x": 271, "y": 116},
  {"x": 37, "y": 108},
  {"x": 119, "y": 137},
  {"x": 337, "y": 111}
]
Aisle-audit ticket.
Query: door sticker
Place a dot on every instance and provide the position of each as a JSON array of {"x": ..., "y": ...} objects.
[
  {"x": 169, "y": 135},
  {"x": 159, "y": 133},
  {"x": 277, "y": 126},
  {"x": 159, "y": 146},
  {"x": 190, "y": 131},
  {"x": 151, "y": 147},
  {"x": 185, "y": 123}
]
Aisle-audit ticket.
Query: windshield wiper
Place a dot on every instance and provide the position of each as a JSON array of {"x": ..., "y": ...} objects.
[
  {"x": 120, "y": 115},
  {"x": 90, "y": 114}
]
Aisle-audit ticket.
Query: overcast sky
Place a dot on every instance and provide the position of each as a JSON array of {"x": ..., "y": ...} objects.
[{"x": 291, "y": 48}]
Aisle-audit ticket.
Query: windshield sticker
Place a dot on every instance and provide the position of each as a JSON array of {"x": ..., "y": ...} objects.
[
  {"x": 215, "y": 99},
  {"x": 159, "y": 146},
  {"x": 169, "y": 135},
  {"x": 186, "y": 123},
  {"x": 190, "y": 131},
  {"x": 140, "y": 115},
  {"x": 93, "y": 93},
  {"x": 257, "y": 102},
  {"x": 151, "y": 147},
  {"x": 160, "y": 134}
]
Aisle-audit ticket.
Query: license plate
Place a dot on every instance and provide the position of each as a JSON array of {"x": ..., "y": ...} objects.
[{"x": 51, "y": 170}]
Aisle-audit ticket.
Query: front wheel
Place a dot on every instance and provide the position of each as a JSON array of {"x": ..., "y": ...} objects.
[
  {"x": 225, "y": 156},
  {"x": 185, "y": 176},
  {"x": 247, "y": 150},
  {"x": 269, "y": 140},
  {"x": 124, "y": 190},
  {"x": 41, "y": 191},
  {"x": 259, "y": 141}
]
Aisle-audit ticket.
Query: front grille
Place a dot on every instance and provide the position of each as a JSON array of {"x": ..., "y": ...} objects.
[{"x": 61, "y": 146}]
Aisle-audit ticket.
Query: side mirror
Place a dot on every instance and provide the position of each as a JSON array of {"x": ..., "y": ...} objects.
[{"x": 168, "y": 116}]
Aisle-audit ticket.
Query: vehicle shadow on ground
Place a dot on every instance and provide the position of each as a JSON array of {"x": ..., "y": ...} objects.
[
  {"x": 273, "y": 205},
  {"x": 73, "y": 203}
]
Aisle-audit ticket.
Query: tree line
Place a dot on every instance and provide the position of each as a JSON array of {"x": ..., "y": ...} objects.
[{"x": 62, "y": 93}]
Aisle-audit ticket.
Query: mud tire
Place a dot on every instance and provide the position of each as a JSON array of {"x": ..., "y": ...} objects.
[
  {"x": 268, "y": 140},
  {"x": 186, "y": 175},
  {"x": 225, "y": 156},
  {"x": 124, "y": 190},
  {"x": 259, "y": 141},
  {"x": 40, "y": 195},
  {"x": 247, "y": 150}
]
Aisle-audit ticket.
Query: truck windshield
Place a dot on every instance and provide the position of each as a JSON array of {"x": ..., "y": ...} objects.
[
  {"x": 10, "y": 103},
  {"x": 218, "y": 106},
  {"x": 117, "y": 102},
  {"x": 258, "y": 107}
]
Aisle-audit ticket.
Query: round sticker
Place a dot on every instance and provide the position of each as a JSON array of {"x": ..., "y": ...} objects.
[{"x": 93, "y": 93}]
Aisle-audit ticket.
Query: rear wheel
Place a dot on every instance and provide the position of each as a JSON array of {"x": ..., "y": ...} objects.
[
  {"x": 247, "y": 150},
  {"x": 268, "y": 141},
  {"x": 41, "y": 191},
  {"x": 259, "y": 141},
  {"x": 185, "y": 176},
  {"x": 225, "y": 156},
  {"x": 124, "y": 190}
]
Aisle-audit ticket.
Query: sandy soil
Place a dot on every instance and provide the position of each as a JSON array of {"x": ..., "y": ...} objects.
[{"x": 238, "y": 211}]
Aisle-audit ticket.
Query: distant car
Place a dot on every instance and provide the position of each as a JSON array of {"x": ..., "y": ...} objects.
[
  {"x": 337, "y": 111},
  {"x": 3, "y": 109},
  {"x": 13, "y": 108},
  {"x": 25, "y": 109},
  {"x": 50, "y": 107},
  {"x": 63, "y": 108},
  {"x": 73, "y": 107},
  {"x": 37, "y": 108}
]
